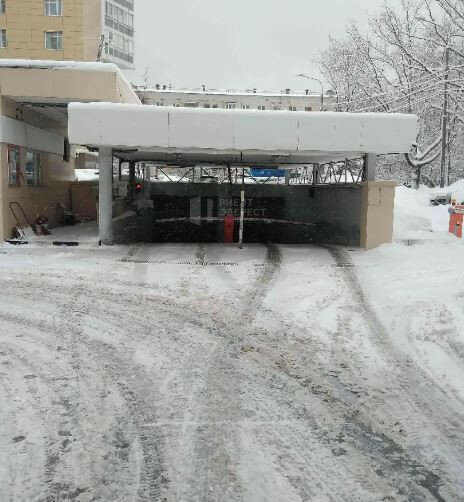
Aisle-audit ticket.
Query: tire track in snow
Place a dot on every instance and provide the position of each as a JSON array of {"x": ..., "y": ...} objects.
[
  {"x": 109, "y": 352},
  {"x": 102, "y": 302},
  {"x": 400, "y": 468},
  {"x": 396, "y": 456},
  {"x": 68, "y": 333},
  {"x": 217, "y": 445}
]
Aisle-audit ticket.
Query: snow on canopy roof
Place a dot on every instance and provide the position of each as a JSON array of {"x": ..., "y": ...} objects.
[
  {"x": 58, "y": 65},
  {"x": 37, "y": 64},
  {"x": 207, "y": 132}
]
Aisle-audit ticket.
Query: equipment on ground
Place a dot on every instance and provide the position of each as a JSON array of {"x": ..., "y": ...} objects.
[{"x": 24, "y": 230}]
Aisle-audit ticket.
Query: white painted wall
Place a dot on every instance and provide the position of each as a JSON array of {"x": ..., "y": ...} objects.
[{"x": 19, "y": 133}]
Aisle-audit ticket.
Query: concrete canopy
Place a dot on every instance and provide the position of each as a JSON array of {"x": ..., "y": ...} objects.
[
  {"x": 48, "y": 87},
  {"x": 183, "y": 136}
]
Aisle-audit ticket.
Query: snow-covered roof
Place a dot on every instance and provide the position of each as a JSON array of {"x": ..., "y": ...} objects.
[
  {"x": 245, "y": 136},
  {"x": 233, "y": 93},
  {"x": 58, "y": 65},
  {"x": 127, "y": 92}
]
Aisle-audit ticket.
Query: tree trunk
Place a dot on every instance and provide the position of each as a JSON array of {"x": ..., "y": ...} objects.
[{"x": 417, "y": 177}]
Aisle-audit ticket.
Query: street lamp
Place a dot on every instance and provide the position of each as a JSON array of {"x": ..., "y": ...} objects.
[{"x": 302, "y": 75}]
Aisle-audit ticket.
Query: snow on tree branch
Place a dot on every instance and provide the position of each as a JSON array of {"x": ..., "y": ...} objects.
[{"x": 399, "y": 66}]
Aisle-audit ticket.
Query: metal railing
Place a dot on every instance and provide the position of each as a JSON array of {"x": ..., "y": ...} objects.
[{"x": 348, "y": 172}]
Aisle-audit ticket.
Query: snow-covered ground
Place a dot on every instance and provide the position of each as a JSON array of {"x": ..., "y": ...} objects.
[
  {"x": 416, "y": 219},
  {"x": 87, "y": 174},
  {"x": 190, "y": 372}
]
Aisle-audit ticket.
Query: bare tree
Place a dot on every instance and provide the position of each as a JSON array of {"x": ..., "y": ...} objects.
[{"x": 400, "y": 66}]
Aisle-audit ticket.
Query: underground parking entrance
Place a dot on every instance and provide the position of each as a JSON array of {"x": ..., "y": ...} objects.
[
  {"x": 204, "y": 204},
  {"x": 245, "y": 176}
]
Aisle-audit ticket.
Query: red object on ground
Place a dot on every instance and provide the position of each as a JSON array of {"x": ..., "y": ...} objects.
[
  {"x": 456, "y": 220},
  {"x": 229, "y": 224}
]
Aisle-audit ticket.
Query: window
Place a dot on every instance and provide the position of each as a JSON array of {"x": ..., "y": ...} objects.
[
  {"x": 54, "y": 40},
  {"x": 191, "y": 104},
  {"x": 245, "y": 107},
  {"x": 215, "y": 106},
  {"x": 261, "y": 107},
  {"x": 206, "y": 105},
  {"x": 159, "y": 103},
  {"x": 33, "y": 168},
  {"x": 292, "y": 108},
  {"x": 2, "y": 6},
  {"x": 230, "y": 106},
  {"x": 2, "y": 39},
  {"x": 308, "y": 109},
  {"x": 53, "y": 8},
  {"x": 14, "y": 167}
]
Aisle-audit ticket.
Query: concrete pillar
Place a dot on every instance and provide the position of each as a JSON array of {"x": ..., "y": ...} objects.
[
  {"x": 288, "y": 175},
  {"x": 146, "y": 181},
  {"x": 105, "y": 196},
  {"x": 131, "y": 189},
  {"x": 377, "y": 213},
  {"x": 242, "y": 211},
  {"x": 315, "y": 174},
  {"x": 370, "y": 166}
]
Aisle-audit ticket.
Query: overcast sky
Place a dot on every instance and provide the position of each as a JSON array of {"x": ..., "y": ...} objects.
[{"x": 238, "y": 44}]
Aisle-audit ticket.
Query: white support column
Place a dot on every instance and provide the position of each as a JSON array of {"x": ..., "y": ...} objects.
[
  {"x": 105, "y": 196},
  {"x": 242, "y": 217},
  {"x": 146, "y": 181},
  {"x": 371, "y": 165},
  {"x": 288, "y": 175},
  {"x": 242, "y": 211}
]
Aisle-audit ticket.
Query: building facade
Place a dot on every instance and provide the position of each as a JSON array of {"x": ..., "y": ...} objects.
[
  {"x": 251, "y": 99},
  {"x": 68, "y": 30},
  {"x": 36, "y": 162}
]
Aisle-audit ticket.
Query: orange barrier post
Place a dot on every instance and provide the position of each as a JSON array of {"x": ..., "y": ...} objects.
[
  {"x": 229, "y": 224},
  {"x": 456, "y": 220}
]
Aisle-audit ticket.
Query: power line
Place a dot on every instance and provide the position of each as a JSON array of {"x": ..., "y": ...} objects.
[
  {"x": 413, "y": 82},
  {"x": 425, "y": 98},
  {"x": 401, "y": 98}
]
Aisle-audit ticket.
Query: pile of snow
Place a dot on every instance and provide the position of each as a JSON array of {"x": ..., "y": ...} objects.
[
  {"x": 416, "y": 218},
  {"x": 86, "y": 174},
  {"x": 457, "y": 191},
  {"x": 167, "y": 178}
]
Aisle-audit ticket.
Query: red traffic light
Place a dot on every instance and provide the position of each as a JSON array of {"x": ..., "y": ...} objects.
[{"x": 138, "y": 187}]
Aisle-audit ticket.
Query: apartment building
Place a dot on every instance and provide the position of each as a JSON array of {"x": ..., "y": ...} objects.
[
  {"x": 68, "y": 30},
  {"x": 251, "y": 99}
]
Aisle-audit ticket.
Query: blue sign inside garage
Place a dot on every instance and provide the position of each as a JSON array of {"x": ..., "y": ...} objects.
[{"x": 268, "y": 173}]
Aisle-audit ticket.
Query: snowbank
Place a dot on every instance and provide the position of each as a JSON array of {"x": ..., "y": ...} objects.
[
  {"x": 415, "y": 218},
  {"x": 457, "y": 191},
  {"x": 86, "y": 174}
]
